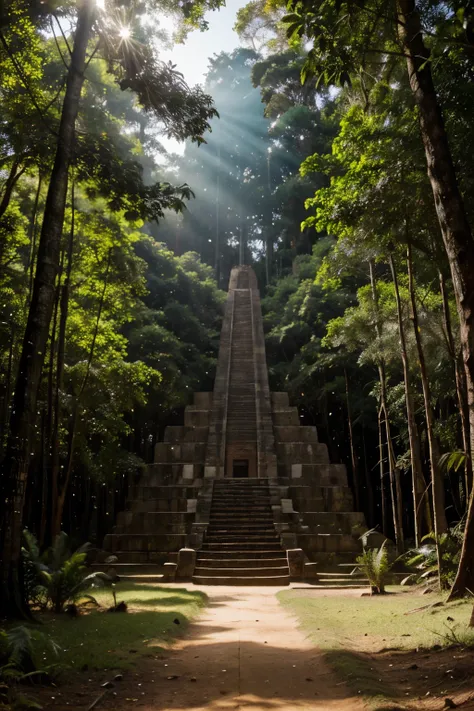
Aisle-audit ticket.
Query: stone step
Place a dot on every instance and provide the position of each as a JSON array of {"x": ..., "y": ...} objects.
[
  {"x": 203, "y": 560},
  {"x": 249, "y": 482},
  {"x": 237, "y": 554},
  {"x": 241, "y": 516},
  {"x": 270, "y": 547},
  {"x": 239, "y": 532},
  {"x": 281, "y": 580},
  {"x": 240, "y": 507},
  {"x": 142, "y": 578},
  {"x": 330, "y": 586},
  {"x": 247, "y": 525},
  {"x": 358, "y": 582},
  {"x": 237, "y": 497},
  {"x": 231, "y": 537},
  {"x": 130, "y": 568},
  {"x": 241, "y": 541},
  {"x": 260, "y": 572},
  {"x": 237, "y": 500}
]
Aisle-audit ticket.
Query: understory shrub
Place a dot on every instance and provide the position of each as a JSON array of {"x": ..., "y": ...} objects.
[
  {"x": 58, "y": 576},
  {"x": 375, "y": 564}
]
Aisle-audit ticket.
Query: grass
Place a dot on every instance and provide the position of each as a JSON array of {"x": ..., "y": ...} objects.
[
  {"x": 347, "y": 628},
  {"x": 378, "y": 622},
  {"x": 101, "y": 640}
]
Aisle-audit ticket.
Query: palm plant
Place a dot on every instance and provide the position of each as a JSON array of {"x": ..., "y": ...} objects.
[
  {"x": 424, "y": 560},
  {"x": 18, "y": 664},
  {"x": 61, "y": 575},
  {"x": 375, "y": 564}
]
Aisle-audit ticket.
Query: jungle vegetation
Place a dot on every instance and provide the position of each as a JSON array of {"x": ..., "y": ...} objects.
[{"x": 339, "y": 166}]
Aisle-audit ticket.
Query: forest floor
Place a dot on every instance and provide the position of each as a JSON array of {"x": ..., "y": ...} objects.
[{"x": 246, "y": 650}]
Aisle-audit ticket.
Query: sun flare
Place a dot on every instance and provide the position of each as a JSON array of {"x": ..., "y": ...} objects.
[{"x": 125, "y": 33}]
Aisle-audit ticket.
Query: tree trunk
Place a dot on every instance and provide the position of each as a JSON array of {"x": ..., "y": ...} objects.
[
  {"x": 368, "y": 485},
  {"x": 455, "y": 229},
  {"x": 15, "y": 174},
  {"x": 13, "y": 177},
  {"x": 23, "y": 419},
  {"x": 64, "y": 307},
  {"x": 355, "y": 469},
  {"x": 415, "y": 450},
  {"x": 460, "y": 379},
  {"x": 440, "y": 523},
  {"x": 7, "y": 388},
  {"x": 394, "y": 473},
  {"x": 64, "y": 482},
  {"x": 382, "y": 474},
  {"x": 32, "y": 257}
]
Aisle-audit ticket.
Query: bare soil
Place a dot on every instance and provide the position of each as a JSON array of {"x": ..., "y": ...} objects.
[{"x": 245, "y": 652}]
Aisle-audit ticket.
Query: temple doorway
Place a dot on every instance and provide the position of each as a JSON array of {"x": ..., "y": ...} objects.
[{"x": 240, "y": 468}]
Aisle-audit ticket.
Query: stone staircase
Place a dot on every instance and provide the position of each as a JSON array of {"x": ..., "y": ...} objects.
[
  {"x": 241, "y": 546},
  {"x": 241, "y": 410}
]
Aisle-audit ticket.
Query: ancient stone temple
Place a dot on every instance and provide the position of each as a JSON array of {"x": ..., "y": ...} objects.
[{"x": 241, "y": 493}]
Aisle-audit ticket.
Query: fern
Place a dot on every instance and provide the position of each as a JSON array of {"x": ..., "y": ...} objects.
[
  {"x": 375, "y": 565},
  {"x": 424, "y": 560},
  {"x": 62, "y": 574}
]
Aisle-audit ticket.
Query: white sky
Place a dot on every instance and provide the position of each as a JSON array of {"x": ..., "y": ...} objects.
[{"x": 192, "y": 57}]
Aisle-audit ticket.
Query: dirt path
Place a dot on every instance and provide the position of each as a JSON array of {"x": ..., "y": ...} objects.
[{"x": 244, "y": 652}]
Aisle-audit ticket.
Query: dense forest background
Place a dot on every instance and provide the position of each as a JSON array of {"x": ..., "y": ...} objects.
[{"x": 114, "y": 253}]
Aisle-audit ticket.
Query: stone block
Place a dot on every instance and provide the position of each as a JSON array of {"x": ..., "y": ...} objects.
[
  {"x": 291, "y": 433},
  {"x": 310, "y": 571},
  {"x": 296, "y": 471},
  {"x": 202, "y": 401},
  {"x": 196, "y": 418},
  {"x": 192, "y": 505},
  {"x": 306, "y": 453},
  {"x": 186, "y": 563},
  {"x": 169, "y": 572},
  {"x": 188, "y": 471},
  {"x": 280, "y": 401},
  {"x": 282, "y": 418},
  {"x": 295, "y": 558},
  {"x": 287, "y": 506},
  {"x": 209, "y": 471}
]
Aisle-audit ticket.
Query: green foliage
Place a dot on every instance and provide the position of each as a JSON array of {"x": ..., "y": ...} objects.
[
  {"x": 375, "y": 564},
  {"x": 61, "y": 573},
  {"x": 424, "y": 560},
  {"x": 18, "y": 665}
]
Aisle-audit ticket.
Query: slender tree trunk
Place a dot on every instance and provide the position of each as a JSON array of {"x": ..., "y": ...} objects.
[
  {"x": 64, "y": 307},
  {"x": 437, "y": 484},
  {"x": 455, "y": 229},
  {"x": 23, "y": 420},
  {"x": 44, "y": 483},
  {"x": 15, "y": 174},
  {"x": 7, "y": 388},
  {"x": 440, "y": 522},
  {"x": 64, "y": 483},
  {"x": 460, "y": 379},
  {"x": 33, "y": 231},
  {"x": 48, "y": 423},
  {"x": 382, "y": 475},
  {"x": 368, "y": 484},
  {"x": 355, "y": 468},
  {"x": 395, "y": 487},
  {"x": 415, "y": 450},
  {"x": 13, "y": 177}
]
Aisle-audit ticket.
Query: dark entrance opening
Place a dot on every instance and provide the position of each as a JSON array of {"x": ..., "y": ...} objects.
[{"x": 240, "y": 468}]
